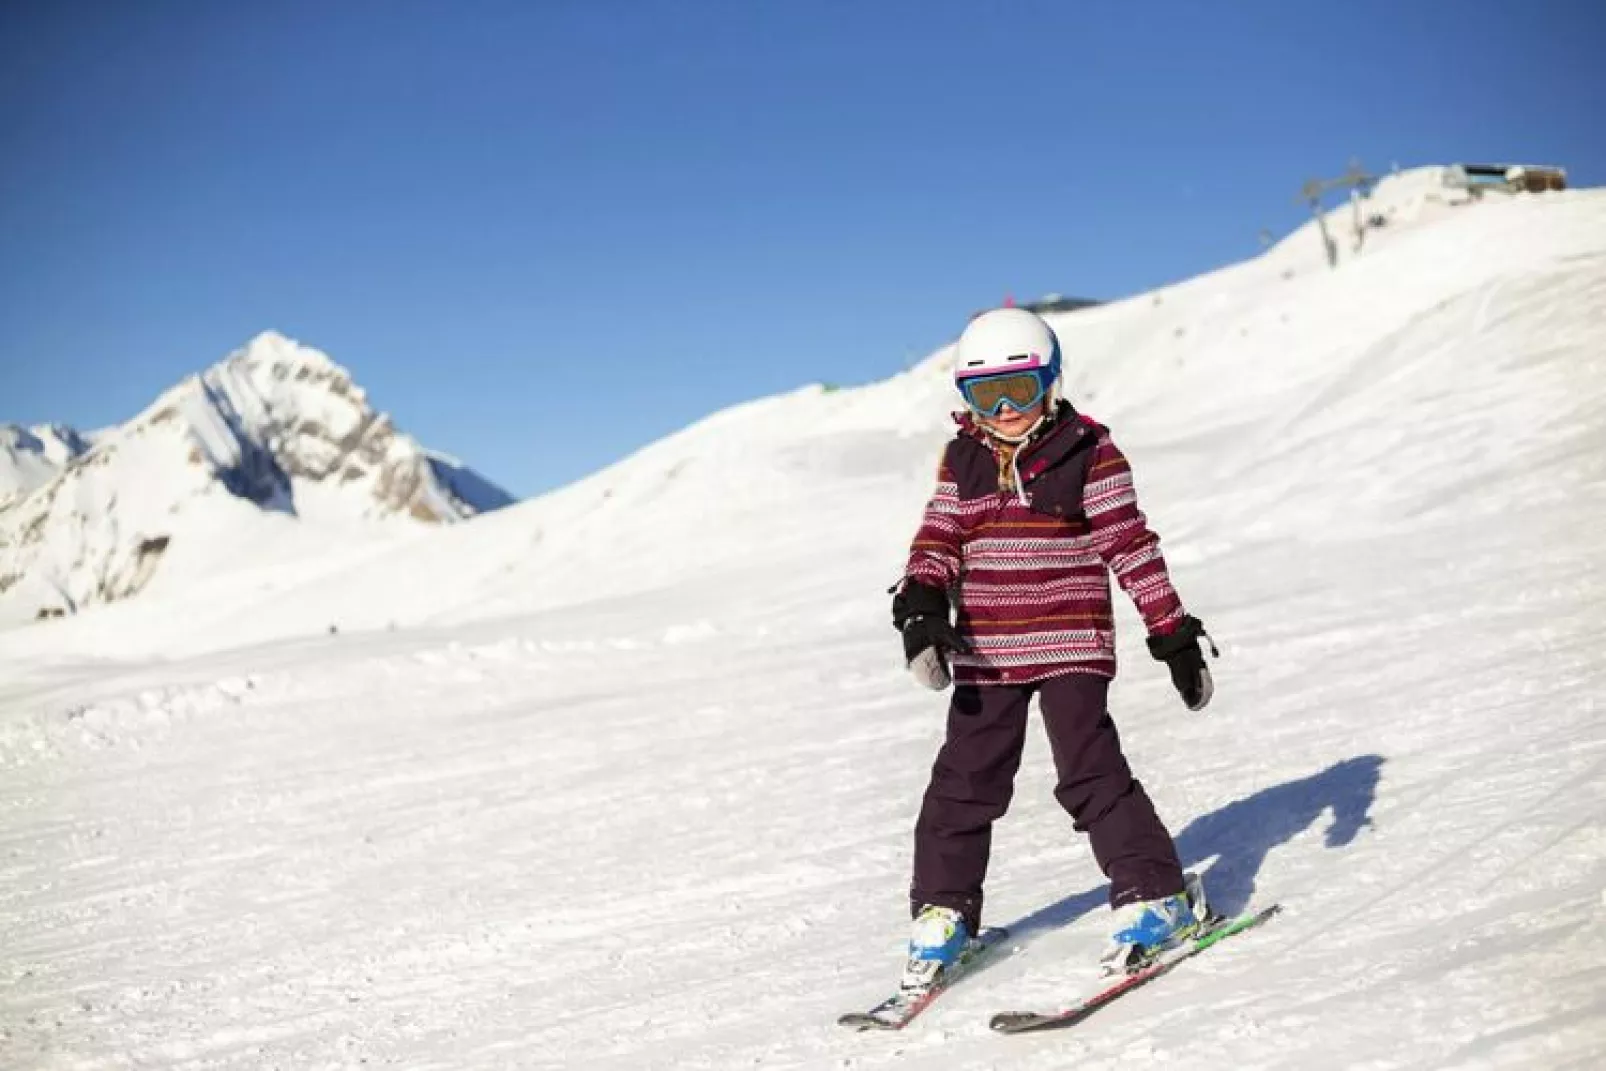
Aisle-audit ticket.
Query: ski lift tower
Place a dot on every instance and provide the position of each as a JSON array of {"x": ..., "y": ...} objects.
[{"x": 1358, "y": 182}]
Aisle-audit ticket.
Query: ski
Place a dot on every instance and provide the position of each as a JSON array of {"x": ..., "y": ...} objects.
[
  {"x": 896, "y": 1011},
  {"x": 1020, "y": 1022}
]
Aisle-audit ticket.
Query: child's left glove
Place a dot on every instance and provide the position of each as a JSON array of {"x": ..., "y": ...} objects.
[{"x": 1179, "y": 650}]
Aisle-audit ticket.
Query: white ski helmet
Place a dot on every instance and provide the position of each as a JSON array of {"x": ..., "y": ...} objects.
[{"x": 1007, "y": 340}]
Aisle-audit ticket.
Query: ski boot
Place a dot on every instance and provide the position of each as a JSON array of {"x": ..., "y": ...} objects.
[
  {"x": 1145, "y": 929},
  {"x": 939, "y": 940}
]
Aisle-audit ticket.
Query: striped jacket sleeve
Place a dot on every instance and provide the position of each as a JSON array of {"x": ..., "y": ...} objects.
[
  {"x": 934, "y": 556},
  {"x": 1123, "y": 540}
]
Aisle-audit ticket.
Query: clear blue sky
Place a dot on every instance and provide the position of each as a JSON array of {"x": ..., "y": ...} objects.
[{"x": 543, "y": 234}]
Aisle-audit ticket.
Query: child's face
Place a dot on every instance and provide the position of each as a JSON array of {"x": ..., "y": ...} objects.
[{"x": 1010, "y": 423}]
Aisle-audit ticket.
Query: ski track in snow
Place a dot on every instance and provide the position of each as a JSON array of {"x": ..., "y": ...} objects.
[{"x": 674, "y": 831}]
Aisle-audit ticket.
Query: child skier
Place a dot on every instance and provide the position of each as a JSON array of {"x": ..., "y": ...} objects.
[{"x": 1034, "y": 507}]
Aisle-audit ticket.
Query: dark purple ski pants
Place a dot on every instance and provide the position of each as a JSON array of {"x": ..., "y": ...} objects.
[{"x": 974, "y": 778}]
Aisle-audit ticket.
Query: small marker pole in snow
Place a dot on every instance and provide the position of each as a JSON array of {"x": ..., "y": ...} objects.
[{"x": 1313, "y": 194}]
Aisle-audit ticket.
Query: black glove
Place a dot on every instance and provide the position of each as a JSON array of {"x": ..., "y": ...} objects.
[
  {"x": 920, "y": 613},
  {"x": 1180, "y": 652}
]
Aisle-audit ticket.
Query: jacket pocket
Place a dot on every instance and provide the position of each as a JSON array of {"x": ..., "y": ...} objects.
[{"x": 1057, "y": 491}]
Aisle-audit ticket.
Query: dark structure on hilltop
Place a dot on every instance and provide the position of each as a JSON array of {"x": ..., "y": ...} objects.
[
  {"x": 1506, "y": 178},
  {"x": 1059, "y": 303}
]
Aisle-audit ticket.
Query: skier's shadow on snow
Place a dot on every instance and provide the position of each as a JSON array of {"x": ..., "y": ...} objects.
[{"x": 1242, "y": 834}]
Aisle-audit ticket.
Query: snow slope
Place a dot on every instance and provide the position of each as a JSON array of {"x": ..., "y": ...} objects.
[
  {"x": 271, "y": 454},
  {"x": 631, "y": 782}
]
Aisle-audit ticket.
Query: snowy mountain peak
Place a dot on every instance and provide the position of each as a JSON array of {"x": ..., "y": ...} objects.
[
  {"x": 284, "y": 359},
  {"x": 274, "y": 347},
  {"x": 30, "y": 457},
  {"x": 274, "y": 428},
  {"x": 59, "y": 443}
]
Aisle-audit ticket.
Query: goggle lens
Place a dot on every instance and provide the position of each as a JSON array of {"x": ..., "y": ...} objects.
[{"x": 988, "y": 394}]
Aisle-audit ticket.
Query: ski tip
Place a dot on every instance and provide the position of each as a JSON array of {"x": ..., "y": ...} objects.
[
  {"x": 1015, "y": 1022},
  {"x": 1263, "y": 914}
]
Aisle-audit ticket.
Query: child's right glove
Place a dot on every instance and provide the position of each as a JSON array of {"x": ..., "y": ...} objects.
[
  {"x": 1179, "y": 650},
  {"x": 920, "y": 613}
]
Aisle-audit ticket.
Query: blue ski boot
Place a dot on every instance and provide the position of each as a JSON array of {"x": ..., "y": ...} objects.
[
  {"x": 937, "y": 942},
  {"x": 1145, "y": 929}
]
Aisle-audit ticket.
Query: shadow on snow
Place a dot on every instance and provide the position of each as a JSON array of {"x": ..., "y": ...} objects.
[{"x": 1242, "y": 834}]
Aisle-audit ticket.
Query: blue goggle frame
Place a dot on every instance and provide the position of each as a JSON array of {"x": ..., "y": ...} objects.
[{"x": 1042, "y": 377}]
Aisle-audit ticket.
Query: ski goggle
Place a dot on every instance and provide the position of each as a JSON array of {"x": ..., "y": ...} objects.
[{"x": 987, "y": 395}]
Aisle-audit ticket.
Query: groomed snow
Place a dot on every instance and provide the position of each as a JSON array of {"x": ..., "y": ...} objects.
[{"x": 625, "y": 776}]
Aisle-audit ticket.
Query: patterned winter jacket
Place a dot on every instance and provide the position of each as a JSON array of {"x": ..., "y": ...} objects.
[{"x": 1030, "y": 568}]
